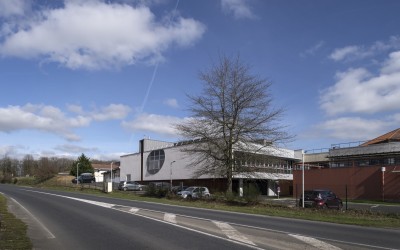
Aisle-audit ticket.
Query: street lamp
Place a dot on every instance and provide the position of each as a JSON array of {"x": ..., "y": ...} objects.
[
  {"x": 302, "y": 177},
  {"x": 111, "y": 174},
  {"x": 170, "y": 174},
  {"x": 77, "y": 170}
]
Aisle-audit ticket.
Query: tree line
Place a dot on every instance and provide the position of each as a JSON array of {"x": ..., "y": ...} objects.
[{"x": 43, "y": 168}]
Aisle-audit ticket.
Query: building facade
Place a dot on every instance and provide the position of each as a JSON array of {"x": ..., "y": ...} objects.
[
  {"x": 166, "y": 162},
  {"x": 370, "y": 170}
]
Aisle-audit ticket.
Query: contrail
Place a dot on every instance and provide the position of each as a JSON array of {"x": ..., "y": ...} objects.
[
  {"x": 155, "y": 68},
  {"x": 153, "y": 76}
]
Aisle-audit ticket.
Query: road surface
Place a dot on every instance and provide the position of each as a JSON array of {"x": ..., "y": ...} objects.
[{"x": 62, "y": 220}]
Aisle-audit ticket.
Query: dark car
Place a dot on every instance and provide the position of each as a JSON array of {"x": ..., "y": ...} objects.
[
  {"x": 85, "y": 178},
  {"x": 176, "y": 189},
  {"x": 321, "y": 198}
]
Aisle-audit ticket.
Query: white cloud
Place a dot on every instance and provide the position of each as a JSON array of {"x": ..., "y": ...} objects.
[
  {"x": 74, "y": 149},
  {"x": 239, "y": 8},
  {"x": 51, "y": 119},
  {"x": 162, "y": 125},
  {"x": 392, "y": 65},
  {"x": 97, "y": 35},
  {"x": 357, "y": 52},
  {"x": 13, "y": 8},
  {"x": 112, "y": 112},
  {"x": 313, "y": 50},
  {"x": 172, "y": 103},
  {"x": 40, "y": 117},
  {"x": 354, "y": 128},
  {"x": 342, "y": 53},
  {"x": 358, "y": 91}
]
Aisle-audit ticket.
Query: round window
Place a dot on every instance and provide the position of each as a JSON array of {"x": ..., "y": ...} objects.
[{"x": 155, "y": 161}]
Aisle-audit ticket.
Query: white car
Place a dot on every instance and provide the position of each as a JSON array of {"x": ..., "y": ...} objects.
[{"x": 194, "y": 192}]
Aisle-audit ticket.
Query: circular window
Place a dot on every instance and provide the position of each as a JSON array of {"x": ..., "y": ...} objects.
[{"x": 155, "y": 161}]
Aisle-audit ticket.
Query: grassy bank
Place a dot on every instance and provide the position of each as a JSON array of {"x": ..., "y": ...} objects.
[{"x": 12, "y": 230}]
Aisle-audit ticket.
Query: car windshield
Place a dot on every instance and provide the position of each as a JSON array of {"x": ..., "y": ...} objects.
[{"x": 190, "y": 189}]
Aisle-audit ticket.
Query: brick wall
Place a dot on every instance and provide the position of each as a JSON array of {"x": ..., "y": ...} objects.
[{"x": 361, "y": 182}]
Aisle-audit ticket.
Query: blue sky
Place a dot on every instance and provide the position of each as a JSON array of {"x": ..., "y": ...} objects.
[{"x": 95, "y": 77}]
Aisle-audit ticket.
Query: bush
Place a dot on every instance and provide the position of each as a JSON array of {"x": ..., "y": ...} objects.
[
  {"x": 153, "y": 191},
  {"x": 252, "y": 195}
]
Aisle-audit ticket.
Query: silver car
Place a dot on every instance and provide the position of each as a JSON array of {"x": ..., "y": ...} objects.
[
  {"x": 194, "y": 192},
  {"x": 131, "y": 185}
]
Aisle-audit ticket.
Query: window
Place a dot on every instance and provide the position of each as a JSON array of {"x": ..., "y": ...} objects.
[{"x": 155, "y": 161}]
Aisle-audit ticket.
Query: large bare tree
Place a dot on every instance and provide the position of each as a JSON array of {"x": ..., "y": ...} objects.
[{"x": 233, "y": 112}]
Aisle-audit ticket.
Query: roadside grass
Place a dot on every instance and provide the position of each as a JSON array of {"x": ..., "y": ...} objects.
[
  {"x": 13, "y": 232},
  {"x": 351, "y": 217}
]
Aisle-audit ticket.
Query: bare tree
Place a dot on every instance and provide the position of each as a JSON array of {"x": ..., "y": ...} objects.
[{"x": 232, "y": 113}]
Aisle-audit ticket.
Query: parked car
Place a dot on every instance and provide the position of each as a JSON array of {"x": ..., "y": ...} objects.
[
  {"x": 85, "y": 178},
  {"x": 176, "y": 189},
  {"x": 131, "y": 185},
  {"x": 194, "y": 192},
  {"x": 321, "y": 198},
  {"x": 160, "y": 185}
]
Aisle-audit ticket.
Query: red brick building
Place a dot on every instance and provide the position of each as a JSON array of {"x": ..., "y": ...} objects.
[{"x": 370, "y": 170}]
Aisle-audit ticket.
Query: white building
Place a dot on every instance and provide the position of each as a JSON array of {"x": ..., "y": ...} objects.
[{"x": 159, "y": 161}]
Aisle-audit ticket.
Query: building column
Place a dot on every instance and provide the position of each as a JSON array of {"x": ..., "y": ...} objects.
[{"x": 240, "y": 187}]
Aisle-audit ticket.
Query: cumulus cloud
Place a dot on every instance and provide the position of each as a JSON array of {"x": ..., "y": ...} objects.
[
  {"x": 359, "y": 91},
  {"x": 159, "y": 124},
  {"x": 97, "y": 35},
  {"x": 40, "y": 117},
  {"x": 53, "y": 120},
  {"x": 238, "y": 8}
]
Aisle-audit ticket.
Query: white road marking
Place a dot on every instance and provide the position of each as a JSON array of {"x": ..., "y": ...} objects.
[
  {"x": 315, "y": 243},
  {"x": 170, "y": 217},
  {"x": 232, "y": 233},
  {"x": 134, "y": 210},
  {"x": 49, "y": 234},
  {"x": 112, "y": 206}
]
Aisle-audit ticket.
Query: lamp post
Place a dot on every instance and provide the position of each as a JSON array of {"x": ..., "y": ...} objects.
[
  {"x": 170, "y": 174},
  {"x": 111, "y": 167},
  {"x": 302, "y": 179},
  {"x": 77, "y": 170}
]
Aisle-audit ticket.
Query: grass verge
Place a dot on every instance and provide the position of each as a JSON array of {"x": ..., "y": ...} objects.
[{"x": 12, "y": 230}]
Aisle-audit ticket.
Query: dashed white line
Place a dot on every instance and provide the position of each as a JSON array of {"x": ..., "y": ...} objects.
[
  {"x": 134, "y": 210},
  {"x": 170, "y": 217},
  {"x": 232, "y": 233},
  {"x": 315, "y": 243}
]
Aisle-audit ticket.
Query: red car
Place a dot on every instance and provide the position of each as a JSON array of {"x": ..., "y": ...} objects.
[{"x": 321, "y": 198}]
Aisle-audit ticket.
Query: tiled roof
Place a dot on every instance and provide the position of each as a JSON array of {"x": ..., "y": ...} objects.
[{"x": 388, "y": 137}]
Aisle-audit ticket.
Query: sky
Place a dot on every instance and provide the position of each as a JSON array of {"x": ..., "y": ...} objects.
[{"x": 96, "y": 76}]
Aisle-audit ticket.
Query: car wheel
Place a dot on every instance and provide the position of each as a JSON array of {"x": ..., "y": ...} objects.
[
  {"x": 325, "y": 206},
  {"x": 189, "y": 197},
  {"x": 340, "y": 206},
  {"x": 125, "y": 189}
]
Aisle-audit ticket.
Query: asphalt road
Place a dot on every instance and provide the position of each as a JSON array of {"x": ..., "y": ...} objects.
[{"x": 61, "y": 220}]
